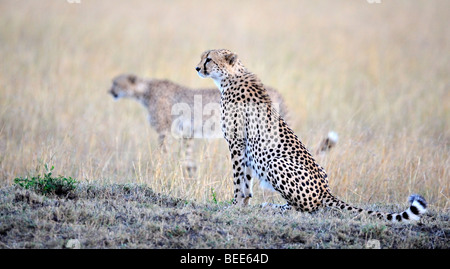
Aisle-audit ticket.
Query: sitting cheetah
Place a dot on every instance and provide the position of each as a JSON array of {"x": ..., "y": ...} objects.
[
  {"x": 163, "y": 97},
  {"x": 262, "y": 144}
]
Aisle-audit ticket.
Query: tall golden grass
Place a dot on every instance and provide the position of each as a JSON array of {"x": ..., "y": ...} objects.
[{"x": 378, "y": 74}]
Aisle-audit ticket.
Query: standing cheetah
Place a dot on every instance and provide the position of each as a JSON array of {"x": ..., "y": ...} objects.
[
  {"x": 262, "y": 144},
  {"x": 162, "y": 97}
]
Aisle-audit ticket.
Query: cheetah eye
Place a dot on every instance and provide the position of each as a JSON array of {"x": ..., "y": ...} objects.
[{"x": 207, "y": 60}]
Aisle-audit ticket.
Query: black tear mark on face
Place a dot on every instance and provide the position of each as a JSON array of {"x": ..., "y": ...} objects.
[{"x": 204, "y": 64}]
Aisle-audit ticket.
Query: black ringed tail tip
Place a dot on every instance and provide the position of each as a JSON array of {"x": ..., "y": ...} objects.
[{"x": 418, "y": 207}]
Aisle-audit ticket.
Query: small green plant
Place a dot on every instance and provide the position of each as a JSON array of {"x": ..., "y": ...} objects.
[
  {"x": 47, "y": 184},
  {"x": 216, "y": 202},
  {"x": 214, "y": 198}
]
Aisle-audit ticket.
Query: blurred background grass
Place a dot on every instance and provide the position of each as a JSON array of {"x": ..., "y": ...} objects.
[{"x": 378, "y": 74}]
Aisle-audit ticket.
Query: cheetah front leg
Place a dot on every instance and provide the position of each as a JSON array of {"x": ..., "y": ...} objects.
[
  {"x": 162, "y": 142},
  {"x": 241, "y": 176},
  {"x": 189, "y": 162},
  {"x": 248, "y": 185}
]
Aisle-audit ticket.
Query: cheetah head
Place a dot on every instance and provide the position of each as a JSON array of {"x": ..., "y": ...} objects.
[
  {"x": 217, "y": 64},
  {"x": 124, "y": 85}
]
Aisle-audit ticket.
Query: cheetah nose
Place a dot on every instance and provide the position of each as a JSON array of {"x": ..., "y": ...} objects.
[{"x": 197, "y": 68}]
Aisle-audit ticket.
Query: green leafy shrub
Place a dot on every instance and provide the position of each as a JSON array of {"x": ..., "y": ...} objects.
[{"x": 47, "y": 184}]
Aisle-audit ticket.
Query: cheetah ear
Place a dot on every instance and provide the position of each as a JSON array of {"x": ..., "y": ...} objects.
[
  {"x": 231, "y": 58},
  {"x": 132, "y": 79}
]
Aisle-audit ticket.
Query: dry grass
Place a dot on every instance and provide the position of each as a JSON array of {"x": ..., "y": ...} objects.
[
  {"x": 378, "y": 74},
  {"x": 133, "y": 216}
]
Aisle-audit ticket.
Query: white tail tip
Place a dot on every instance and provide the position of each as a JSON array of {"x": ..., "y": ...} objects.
[{"x": 333, "y": 136}]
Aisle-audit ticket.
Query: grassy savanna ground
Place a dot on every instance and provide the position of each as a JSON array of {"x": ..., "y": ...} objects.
[
  {"x": 377, "y": 74},
  {"x": 134, "y": 216}
]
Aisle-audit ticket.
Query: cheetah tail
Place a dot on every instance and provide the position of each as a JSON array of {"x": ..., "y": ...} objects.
[
  {"x": 327, "y": 143},
  {"x": 418, "y": 207}
]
